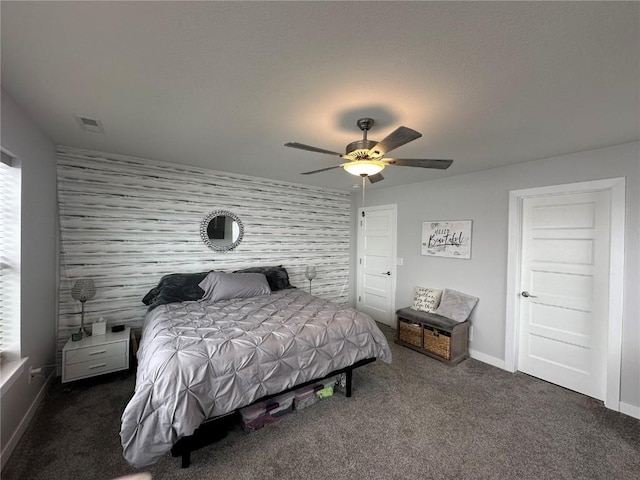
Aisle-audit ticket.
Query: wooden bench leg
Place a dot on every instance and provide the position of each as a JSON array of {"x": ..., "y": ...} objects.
[
  {"x": 186, "y": 459},
  {"x": 349, "y": 374}
]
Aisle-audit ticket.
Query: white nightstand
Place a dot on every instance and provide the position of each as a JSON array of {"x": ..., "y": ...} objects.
[{"x": 97, "y": 355}]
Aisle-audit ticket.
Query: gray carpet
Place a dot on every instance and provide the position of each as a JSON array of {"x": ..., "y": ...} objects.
[{"x": 414, "y": 419}]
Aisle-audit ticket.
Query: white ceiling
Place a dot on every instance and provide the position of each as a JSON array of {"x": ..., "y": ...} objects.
[{"x": 224, "y": 85}]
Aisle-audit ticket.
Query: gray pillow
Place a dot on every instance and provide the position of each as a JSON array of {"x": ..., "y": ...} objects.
[
  {"x": 223, "y": 286},
  {"x": 278, "y": 277},
  {"x": 456, "y": 305}
]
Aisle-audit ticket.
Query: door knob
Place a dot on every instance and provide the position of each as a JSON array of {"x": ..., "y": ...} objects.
[
  {"x": 527, "y": 294},
  {"x": 386, "y": 273}
]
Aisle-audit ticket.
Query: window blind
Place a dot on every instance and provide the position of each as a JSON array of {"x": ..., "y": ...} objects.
[{"x": 9, "y": 256}]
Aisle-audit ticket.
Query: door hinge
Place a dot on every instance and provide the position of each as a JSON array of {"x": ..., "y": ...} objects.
[
  {"x": 363, "y": 214},
  {"x": 359, "y": 298},
  {"x": 360, "y": 261}
]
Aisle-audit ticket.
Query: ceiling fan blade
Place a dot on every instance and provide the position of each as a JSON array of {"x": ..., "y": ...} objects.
[
  {"x": 419, "y": 162},
  {"x": 322, "y": 170},
  {"x": 302, "y": 146},
  {"x": 375, "y": 178},
  {"x": 395, "y": 139}
]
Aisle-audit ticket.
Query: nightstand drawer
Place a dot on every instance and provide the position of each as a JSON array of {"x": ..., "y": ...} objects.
[
  {"x": 95, "y": 367},
  {"x": 97, "y": 352},
  {"x": 95, "y": 355}
]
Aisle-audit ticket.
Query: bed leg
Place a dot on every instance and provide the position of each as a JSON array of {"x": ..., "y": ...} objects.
[
  {"x": 186, "y": 459},
  {"x": 349, "y": 374}
]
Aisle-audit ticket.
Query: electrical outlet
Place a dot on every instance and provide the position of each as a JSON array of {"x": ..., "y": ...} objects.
[{"x": 399, "y": 261}]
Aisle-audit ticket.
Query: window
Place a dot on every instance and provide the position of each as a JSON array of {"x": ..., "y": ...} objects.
[{"x": 9, "y": 257}]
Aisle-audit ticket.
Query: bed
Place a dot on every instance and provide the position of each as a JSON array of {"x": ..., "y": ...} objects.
[{"x": 200, "y": 359}]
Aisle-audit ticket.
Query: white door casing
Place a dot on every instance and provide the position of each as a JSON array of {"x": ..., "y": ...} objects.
[
  {"x": 376, "y": 264},
  {"x": 532, "y": 326}
]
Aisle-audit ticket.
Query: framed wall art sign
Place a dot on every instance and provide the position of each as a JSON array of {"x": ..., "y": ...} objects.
[{"x": 447, "y": 238}]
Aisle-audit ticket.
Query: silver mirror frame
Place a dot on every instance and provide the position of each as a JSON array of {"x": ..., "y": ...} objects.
[{"x": 205, "y": 237}]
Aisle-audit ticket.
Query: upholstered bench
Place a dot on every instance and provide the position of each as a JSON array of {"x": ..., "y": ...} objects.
[{"x": 433, "y": 335}]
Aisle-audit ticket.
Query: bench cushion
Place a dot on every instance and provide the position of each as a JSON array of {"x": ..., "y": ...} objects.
[{"x": 431, "y": 319}]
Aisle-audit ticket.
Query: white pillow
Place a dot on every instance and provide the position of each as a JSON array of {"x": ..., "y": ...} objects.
[
  {"x": 426, "y": 299},
  {"x": 456, "y": 305},
  {"x": 223, "y": 286}
]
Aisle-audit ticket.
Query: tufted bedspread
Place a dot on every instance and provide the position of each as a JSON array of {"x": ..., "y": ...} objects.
[{"x": 198, "y": 360}]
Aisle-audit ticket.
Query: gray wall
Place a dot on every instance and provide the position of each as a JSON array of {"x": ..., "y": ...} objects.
[
  {"x": 483, "y": 197},
  {"x": 23, "y": 138},
  {"x": 125, "y": 222}
]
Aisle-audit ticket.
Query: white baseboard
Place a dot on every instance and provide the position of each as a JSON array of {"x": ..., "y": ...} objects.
[
  {"x": 630, "y": 410},
  {"x": 483, "y": 357},
  {"x": 24, "y": 423}
]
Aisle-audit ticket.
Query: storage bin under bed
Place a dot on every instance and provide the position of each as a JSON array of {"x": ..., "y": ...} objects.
[{"x": 260, "y": 414}]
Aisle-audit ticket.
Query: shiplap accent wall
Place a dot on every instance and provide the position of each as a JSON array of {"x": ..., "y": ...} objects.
[{"x": 126, "y": 222}]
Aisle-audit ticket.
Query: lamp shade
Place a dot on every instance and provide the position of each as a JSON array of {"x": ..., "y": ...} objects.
[
  {"x": 310, "y": 273},
  {"x": 364, "y": 167},
  {"x": 84, "y": 289}
]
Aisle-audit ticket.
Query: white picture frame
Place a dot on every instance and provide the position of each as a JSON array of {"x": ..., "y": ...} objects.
[{"x": 447, "y": 238}]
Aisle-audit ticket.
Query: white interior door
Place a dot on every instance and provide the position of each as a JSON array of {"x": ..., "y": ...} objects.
[
  {"x": 564, "y": 284},
  {"x": 377, "y": 263}
]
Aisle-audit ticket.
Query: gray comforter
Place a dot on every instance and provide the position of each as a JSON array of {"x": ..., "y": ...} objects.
[{"x": 198, "y": 360}]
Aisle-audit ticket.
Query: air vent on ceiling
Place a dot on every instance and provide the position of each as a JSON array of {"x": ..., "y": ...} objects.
[{"x": 90, "y": 124}]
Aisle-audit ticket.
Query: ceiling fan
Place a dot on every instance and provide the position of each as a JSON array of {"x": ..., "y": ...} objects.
[{"x": 365, "y": 158}]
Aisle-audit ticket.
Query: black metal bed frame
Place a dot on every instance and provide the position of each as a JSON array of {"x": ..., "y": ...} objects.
[{"x": 215, "y": 429}]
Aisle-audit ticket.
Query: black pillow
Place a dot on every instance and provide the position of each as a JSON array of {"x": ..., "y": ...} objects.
[
  {"x": 175, "y": 287},
  {"x": 277, "y": 277}
]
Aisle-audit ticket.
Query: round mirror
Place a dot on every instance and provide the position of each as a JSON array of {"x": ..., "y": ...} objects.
[{"x": 221, "y": 230}]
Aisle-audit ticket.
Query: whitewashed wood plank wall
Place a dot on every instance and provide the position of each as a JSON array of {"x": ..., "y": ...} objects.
[{"x": 125, "y": 222}]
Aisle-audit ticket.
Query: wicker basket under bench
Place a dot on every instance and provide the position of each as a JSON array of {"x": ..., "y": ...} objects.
[{"x": 433, "y": 335}]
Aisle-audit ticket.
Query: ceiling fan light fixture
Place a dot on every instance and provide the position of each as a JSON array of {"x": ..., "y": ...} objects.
[
  {"x": 365, "y": 158},
  {"x": 364, "y": 167}
]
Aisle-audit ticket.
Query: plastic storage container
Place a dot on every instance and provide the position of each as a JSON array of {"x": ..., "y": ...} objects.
[
  {"x": 305, "y": 397},
  {"x": 254, "y": 416},
  {"x": 281, "y": 405},
  {"x": 326, "y": 383},
  {"x": 325, "y": 388},
  {"x": 260, "y": 414}
]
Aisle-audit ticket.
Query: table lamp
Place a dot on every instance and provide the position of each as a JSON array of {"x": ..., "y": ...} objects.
[
  {"x": 310, "y": 273},
  {"x": 84, "y": 289}
]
